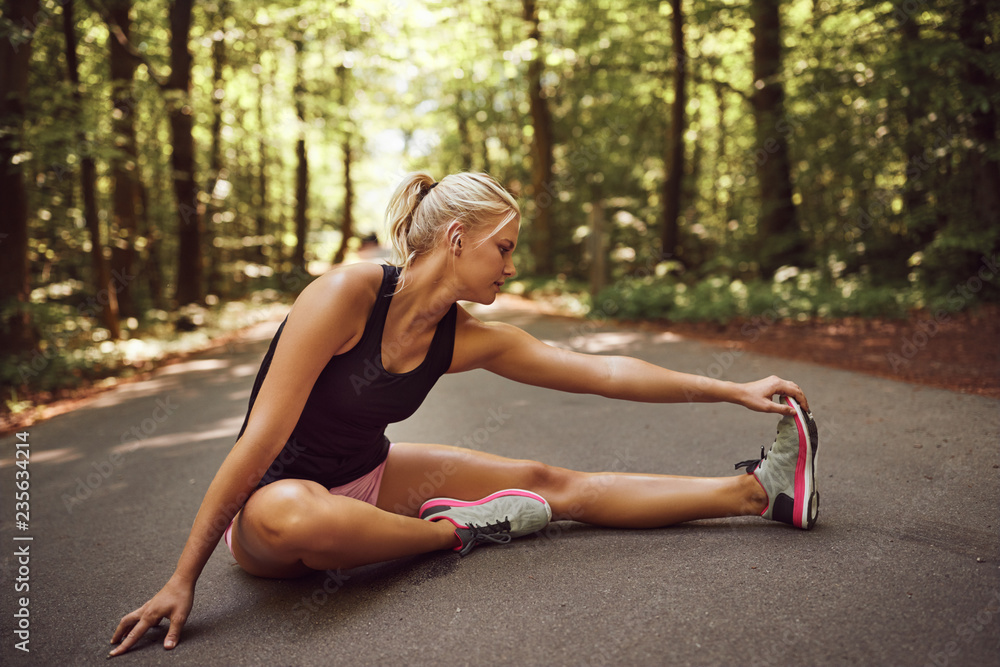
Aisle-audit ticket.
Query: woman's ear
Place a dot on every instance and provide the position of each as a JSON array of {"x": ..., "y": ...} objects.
[{"x": 455, "y": 232}]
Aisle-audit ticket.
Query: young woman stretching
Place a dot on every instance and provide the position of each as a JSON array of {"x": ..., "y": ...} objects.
[{"x": 313, "y": 484}]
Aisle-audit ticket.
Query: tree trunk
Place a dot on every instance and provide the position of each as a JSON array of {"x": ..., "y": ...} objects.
[
  {"x": 106, "y": 291},
  {"x": 464, "y": 134},
  {"x": 723, "y": 198},
  {"x": 16, "y": 332},
  {"x": 347, "y": 221},
  {"x": 302, "y": 167},
  {"x": 541, "y": 152},
  {"x": 124, "y": 162},
  {"x": 259, "y": 198},
  {"x": 674, "y": 158},
  {"x": 213, "y": 217},
  {"x": 180, "y": 111},
  {"x": 598, "y": 242},
  {"x": 982, "y": 169},
  {"x": 153, "y": 265},
  {"x": 779, "y": 240}
]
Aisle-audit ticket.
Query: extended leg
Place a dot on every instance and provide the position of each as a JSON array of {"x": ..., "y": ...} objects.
[{"x": 415, "y": 473}]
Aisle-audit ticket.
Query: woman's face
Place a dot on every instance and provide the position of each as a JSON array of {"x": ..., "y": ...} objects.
[{"x": 486, "y": 261}]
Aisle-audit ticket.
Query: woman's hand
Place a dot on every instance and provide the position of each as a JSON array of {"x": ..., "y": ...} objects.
[
  {"x": 758, "y": 395},
  {"x": 173, "y": 602}
]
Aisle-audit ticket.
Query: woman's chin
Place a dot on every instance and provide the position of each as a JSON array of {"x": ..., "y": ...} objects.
[{"x": 486, "y": 299}]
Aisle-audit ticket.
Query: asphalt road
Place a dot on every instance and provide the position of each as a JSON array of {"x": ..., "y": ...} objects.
[{"x": 902, "y": 568}]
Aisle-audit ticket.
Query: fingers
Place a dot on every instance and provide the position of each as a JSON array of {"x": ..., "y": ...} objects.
[
  {"x": 138, "y": 631},
  {"x": 174, "y": 634},
  {"x": 769, "y": 406},
  {"x": 799, "y": 397},
  {"x": 127, "y": 622},
  {"x": 761, "y": 395}
]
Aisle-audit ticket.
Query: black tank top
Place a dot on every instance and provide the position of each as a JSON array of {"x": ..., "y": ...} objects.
[{"x": 340, "y": 435}]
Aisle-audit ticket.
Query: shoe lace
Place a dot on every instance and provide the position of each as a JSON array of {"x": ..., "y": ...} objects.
[
  {"x": 497, "y": 533},
  {"x": 752, "y": 464}
]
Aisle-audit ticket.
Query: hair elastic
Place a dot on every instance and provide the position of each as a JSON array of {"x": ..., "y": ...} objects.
[{"x": 424, "y": 193}]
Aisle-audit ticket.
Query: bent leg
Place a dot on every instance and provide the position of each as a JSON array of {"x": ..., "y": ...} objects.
[
  {"x": 415, "y": 473},
  {"x": 292, "y": 527}
]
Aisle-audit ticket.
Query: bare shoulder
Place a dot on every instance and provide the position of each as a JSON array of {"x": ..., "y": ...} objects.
[
  {"x": 337, "y": 302},
  {"x": 477, "y": 342},
  {"x": 350, "y": 281}
]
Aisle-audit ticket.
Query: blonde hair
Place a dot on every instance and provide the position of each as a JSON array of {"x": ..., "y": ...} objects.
[{"x": 420, "y": 210}]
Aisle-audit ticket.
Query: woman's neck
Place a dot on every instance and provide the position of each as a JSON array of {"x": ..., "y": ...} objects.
[{"x": 428, "y": 292}]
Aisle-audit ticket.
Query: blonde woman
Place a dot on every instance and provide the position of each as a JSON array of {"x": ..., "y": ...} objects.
[{"x": 313, "y": 484}]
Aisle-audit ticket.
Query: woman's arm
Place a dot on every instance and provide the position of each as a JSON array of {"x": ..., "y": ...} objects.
[
  {"x": 324, "y": 321},
  {"x": 508, "y": 351}
]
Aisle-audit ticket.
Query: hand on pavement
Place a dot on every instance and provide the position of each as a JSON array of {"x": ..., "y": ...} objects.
[{"x": 173, "y": 602}]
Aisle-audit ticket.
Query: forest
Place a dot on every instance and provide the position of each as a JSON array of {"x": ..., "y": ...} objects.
[{"x": 166, "y": 162}]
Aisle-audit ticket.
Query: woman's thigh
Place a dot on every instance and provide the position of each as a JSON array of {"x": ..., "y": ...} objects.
[{"x": 415, "y": 473}]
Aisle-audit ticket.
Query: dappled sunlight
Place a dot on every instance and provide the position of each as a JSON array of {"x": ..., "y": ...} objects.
[
  {"x": 667, "y": 337},
  {"x": 239, "y": 396},
  {"x": 61, "y": 455},
  {"x": 606, "y": 341},
  {"x": 194, "y": 365},
  {"x": 244, "y": 370},
  {"x": 226, "y": 428},
  {"x": 128, "y": 391}
]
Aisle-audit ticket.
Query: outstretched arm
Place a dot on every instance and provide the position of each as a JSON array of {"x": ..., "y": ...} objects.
[{"x": 508, "y": 351}]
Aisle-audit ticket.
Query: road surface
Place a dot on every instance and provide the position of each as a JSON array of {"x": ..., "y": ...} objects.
[{"x": 902, "y": 568}]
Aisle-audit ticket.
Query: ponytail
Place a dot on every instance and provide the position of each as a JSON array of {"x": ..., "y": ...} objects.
[
  {"x": 399, "y": 216},
  {"x": 421, "y": 209}
]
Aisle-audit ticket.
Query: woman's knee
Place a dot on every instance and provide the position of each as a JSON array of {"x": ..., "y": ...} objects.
[
  {"x": 278, "y": 513},
  {"x": 546, "y": 480}
]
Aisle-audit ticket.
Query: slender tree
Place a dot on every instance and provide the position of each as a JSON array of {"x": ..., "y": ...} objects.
[
  {"x": 259, "y": 199},
  {"x": 16, "y": 331},
  {"x": 302, "y": 164},
  {"x": 674, "y": 145},
  {"x": 126, "y": 198},
  {"x": 464, "y": 133},
  {"x": 778, "y": 238},
  {"x": 982, "y": 165},
  {"x": 105, "y": 288},
  {"x": 541, "y": 150},
  {"x": 347, "y": 151},
  {"x": 181, "y": 113},
  {"x": 213, "y": 218}
]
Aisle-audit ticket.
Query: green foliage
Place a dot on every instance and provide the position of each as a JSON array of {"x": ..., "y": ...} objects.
[
  {"x": 890, "y": 117},
  {"x": 75, "y": 353},
  {"x": 793, "y": 294}
]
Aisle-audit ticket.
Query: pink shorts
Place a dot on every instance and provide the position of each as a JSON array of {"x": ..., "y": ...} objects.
[{"x": 364, "y": 488}]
